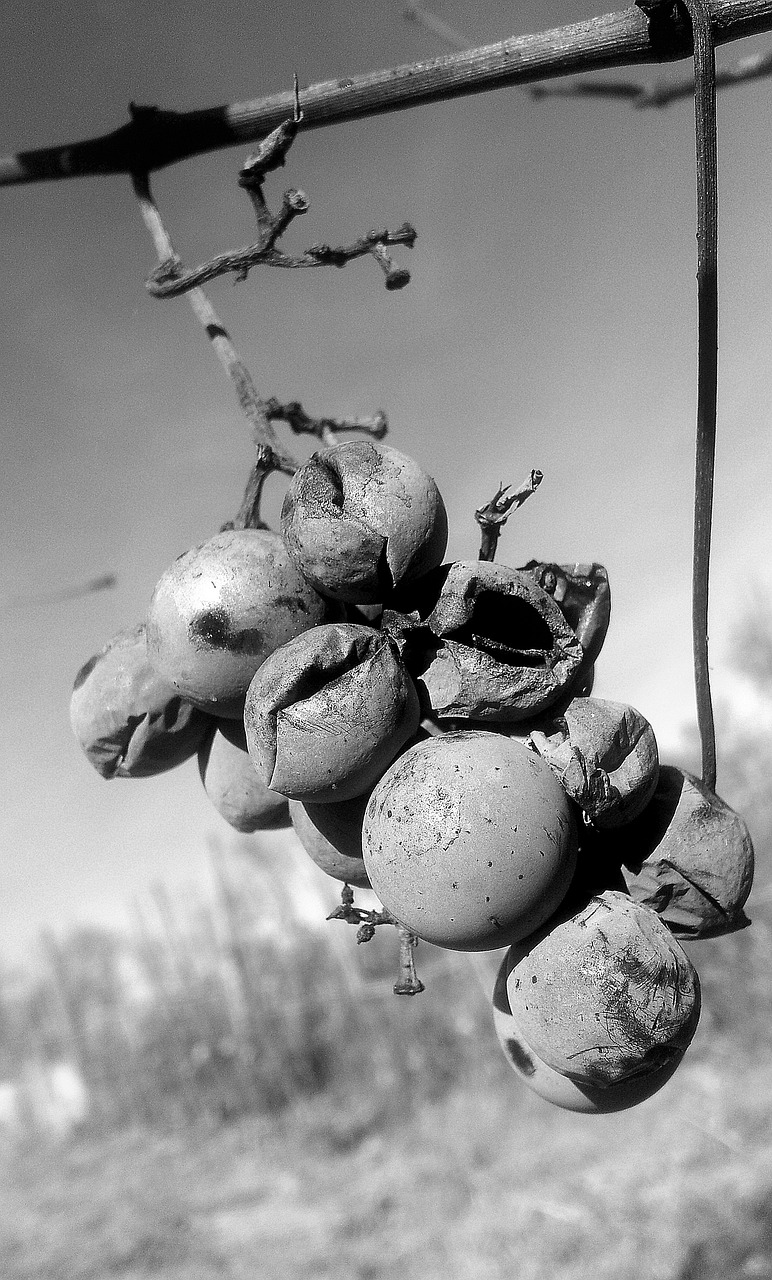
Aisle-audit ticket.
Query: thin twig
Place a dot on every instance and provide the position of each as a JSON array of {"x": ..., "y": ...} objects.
[
  {"x": 156, "y": 138},
  {"x": 325, "y": 429},
  {"x": 266, "y": 441},
  {"x": 408, "y": 983},
  {"x": 494, "y": 515},
  {"x": 707, "y": 371}
]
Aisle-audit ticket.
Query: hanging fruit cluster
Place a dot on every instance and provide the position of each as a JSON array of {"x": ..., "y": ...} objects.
[{"x": 428, "y": 730}]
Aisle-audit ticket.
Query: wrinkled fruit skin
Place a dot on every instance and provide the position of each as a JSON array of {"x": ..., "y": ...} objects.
[
  {"x": 331, "y": 835},
  {"x": 605, "y": 756},
  {"x": 221, "y": 609},
  {"x": 688, "y": 856},
  {"x": 327, "y": 713},
  {"x": 559, "y": 1089},
  {"x": 605, "y": 995},
  {"x": 361, "y": 518},
  {"x": 469, "y": 840},
  {"x": 233, "y": 784},
  {"x": 130, "y": 722},
  {"x": 583, "y": 595},
  {"x": 485, "y": 642}
]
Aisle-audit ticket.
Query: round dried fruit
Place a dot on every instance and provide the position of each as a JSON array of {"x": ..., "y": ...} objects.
[
  {"x": 605, "y": 994},
  {"x": 233, "y": 784},
  {"x": 485, "y": 641},
  {"x": 328, "y": 712},
  {"x": 605, "y": 756},
  {"x": 469, "y": 840},
  {"x": 360, "y": 518},
  {"x": 130, "y": 722},
  {"x": 221, "y": 609},
  {"x": 331, "y": 835}
]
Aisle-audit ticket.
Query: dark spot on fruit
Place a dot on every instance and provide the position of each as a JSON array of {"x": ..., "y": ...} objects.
[
  {"x": 291, "y": 603},
  {"x": 522, "y": 1060},
  {"x": 214, "y": 629},
  {"x": 534, "y": 978},
  {"x": 495, "y": 922},
  {"x": 520, "y": 876},
  {"x": 85, "y": 671}
]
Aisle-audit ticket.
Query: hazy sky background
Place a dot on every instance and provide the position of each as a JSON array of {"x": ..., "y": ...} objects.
[{"x": 550, "y": 323}]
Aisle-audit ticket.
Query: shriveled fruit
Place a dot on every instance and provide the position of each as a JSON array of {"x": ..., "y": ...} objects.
[
  {"x": 129, "y": 720},
  {"x": 331, "y": 835},
  {"x": 583, "y": 596},
  {"x": 469, "y": 840},
  {"x": 327, "y": 712},
  {"x": 561, "y": 1090},
  {"x": 485, "y": 642},
  {"x": 221, "y": 609},
  {"x": 688, "y": 856},
  {"x": 605, "y": 756},
  {"x": 360, "y": 518},
  {"x": 606, "y": 994},
  {"x": 233, "y": 784}
]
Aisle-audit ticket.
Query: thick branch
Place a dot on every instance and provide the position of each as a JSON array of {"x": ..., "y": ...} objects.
[{"x": 157, "y": 138}]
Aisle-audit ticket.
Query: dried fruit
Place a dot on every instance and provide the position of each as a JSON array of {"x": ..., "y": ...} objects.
[
  {"x": 604, "y": 994},
  {"x": 688, "y": 856},
  {"x": 550, "y": 1084},
  {"x": 221, "y": 609},
  {"x": 604, "y": 755},
  {"x": 327, "y": 713},
  {"x": 331, "y": 835},
  {"x": 360, "y": 518},
  {"x": 485, "y": 642},
  {"x": 583, "y": 595},
  {"x": 469, "y": 840},
  {"x": 130, "y": 722},
  {"x": 233, "y": 784}
]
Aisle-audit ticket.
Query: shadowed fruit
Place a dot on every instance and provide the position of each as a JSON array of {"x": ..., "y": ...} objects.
[
  {"x": 221, "y": 609},
  {"x": 233, "y": 784},
  {"x": 327, "y": 713},
  {"x": 360, "y": 518},
  {"x": 129, "y": 720},
  {"x": 469, "y": 840},
  {"x": 331, "y": 835},
  {"x": 604, "y": 994}
]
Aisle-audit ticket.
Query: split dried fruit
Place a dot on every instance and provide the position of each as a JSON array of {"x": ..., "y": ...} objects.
[
  {"x": 331, "y": 835},
  {"x": 221, "y": 609},
  {"x": 327, "y": 713},
  {"x": 130, "y": 722},
  {"x": 361, "y": 518},
  {"x": 583, "y": 595},
  {"x": 605, "y": 756},
  {"x": 469, "y": 840},
  {"x": 233, "y": 784},
  {"x": 688, "y": 856},
  {"x": 606, "y": 994},
  {"x": 486, "y": 642},
  {"x": 550, "y": 1084}
]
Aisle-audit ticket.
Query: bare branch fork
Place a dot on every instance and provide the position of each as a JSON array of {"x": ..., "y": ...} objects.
[{"x": 155, "y": 138}]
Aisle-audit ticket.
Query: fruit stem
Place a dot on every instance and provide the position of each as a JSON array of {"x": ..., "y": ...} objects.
[
  {"x": 408, "y": 983},
  {"x": 494, "y": 514}
]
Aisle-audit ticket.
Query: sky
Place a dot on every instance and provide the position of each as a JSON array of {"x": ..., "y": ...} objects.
[{"x": 550, "y": 323}]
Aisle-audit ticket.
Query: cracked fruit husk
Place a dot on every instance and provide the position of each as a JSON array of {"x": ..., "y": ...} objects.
[
  {"x": 326, "y": 714},
  {"x": 604, "y": 994},
  {"x": 605, "y": 756},
  {"x": 233, "y": 784},
  {"x": 220, "y": 609},
  {"x": 331, "y": 835},
  {"x": 485, "y": 642},
  {"x": 469, "y": 840},
  {"x": 360, "y": 518},
  {"x": 688, "y": 856},
  {"x": 129, "y": 720}
]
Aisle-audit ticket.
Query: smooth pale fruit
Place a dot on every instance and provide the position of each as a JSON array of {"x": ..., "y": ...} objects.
[
  {"x": 605, "y": 755},
  {"x": 331, "y": 835},
  {"x": 221, "y": 609},
  {"x": 548, "y": 1083},
  {"x": 485, "y": 642},
  {"x": 469, "y": 840},
  {"x": 233, "y": 784},
  {"x": 326, "y": 714},
  {"x": 130, "y": 722},
  {"x": 360, "y": 518},
  {"x": 606, "y": 994},
  {"x": 688, "y": 856}
]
